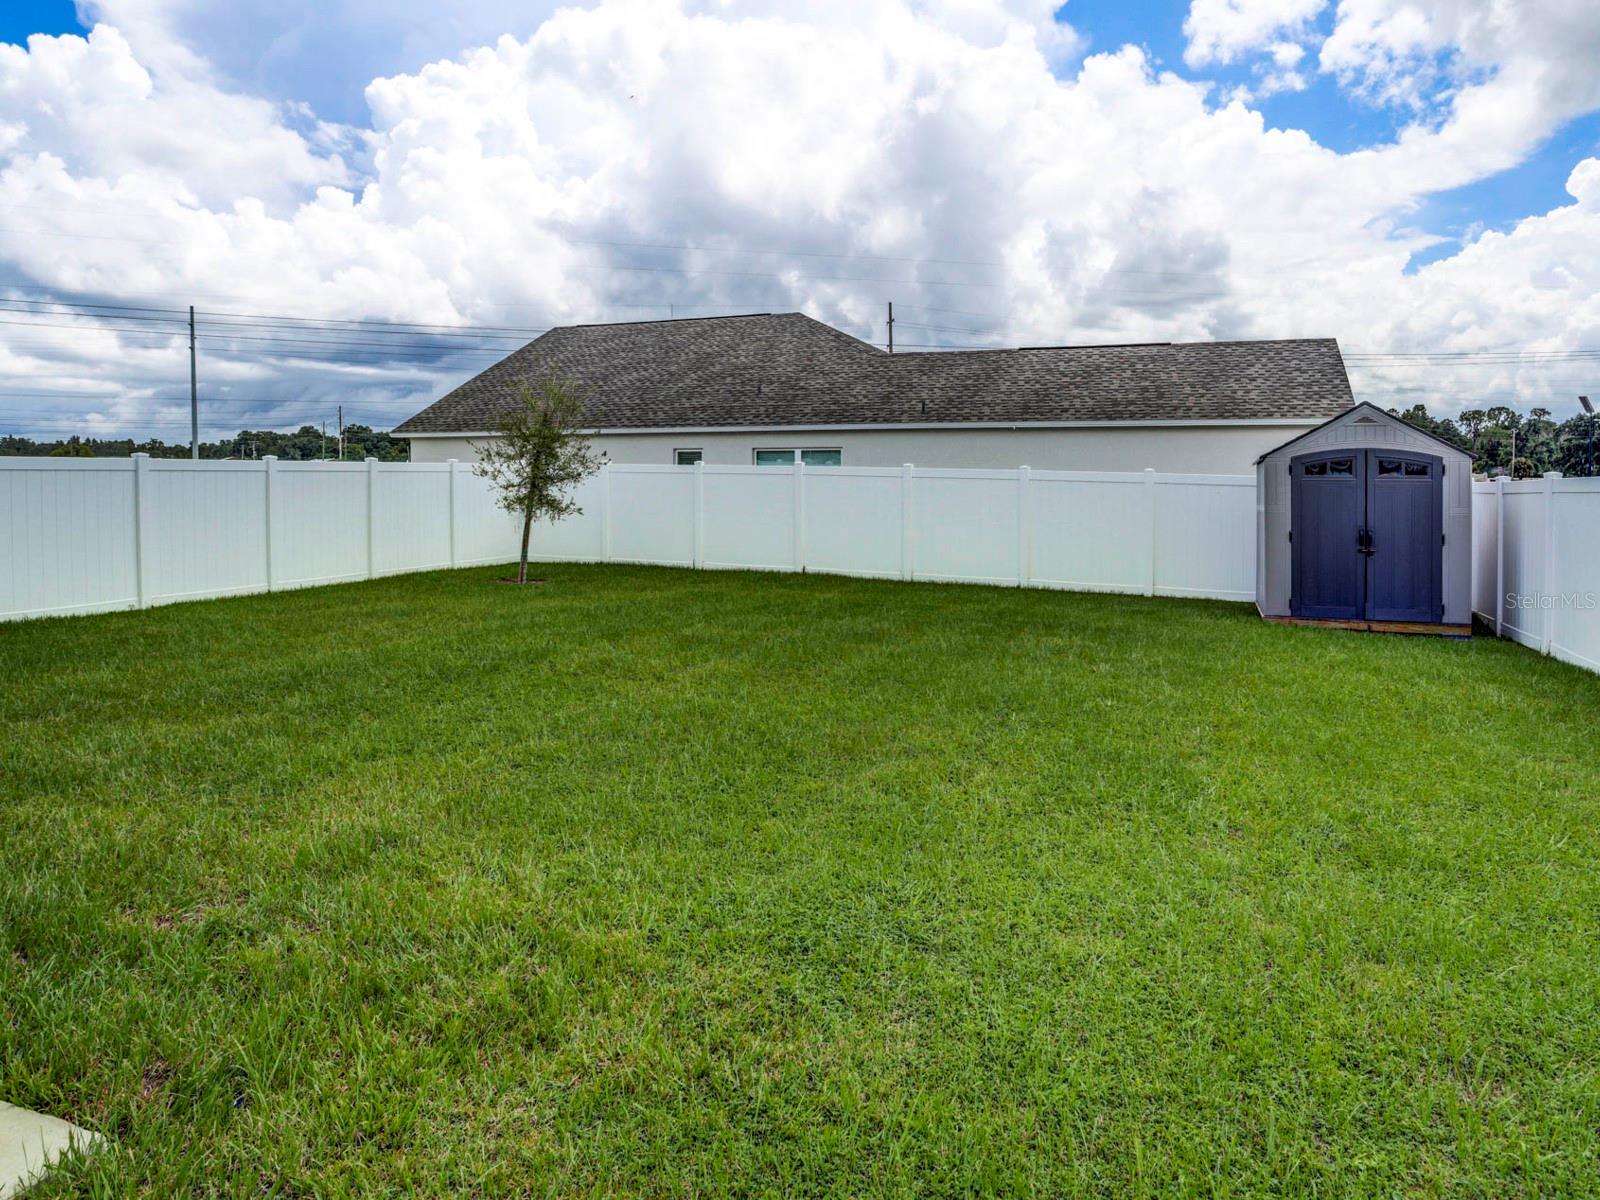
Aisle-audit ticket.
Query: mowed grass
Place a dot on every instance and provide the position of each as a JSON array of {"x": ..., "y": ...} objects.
[{"x": 689, "y": 884}]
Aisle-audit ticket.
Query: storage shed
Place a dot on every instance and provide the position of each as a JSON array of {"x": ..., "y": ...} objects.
[{"x": 1365, "y": 520}]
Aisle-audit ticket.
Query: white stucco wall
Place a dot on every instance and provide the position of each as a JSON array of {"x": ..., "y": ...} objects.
[{"x": 1214, "y": 449}]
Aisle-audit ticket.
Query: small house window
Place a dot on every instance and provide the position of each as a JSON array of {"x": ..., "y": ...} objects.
[
  {"x": 1342, "y": 466},
  {"x": 1390, "y": 466},
  {"x": 813, "y": 457},
  {"x": 1414, "y": 468},
  {"x": 1320, "y": 468},
  {"x": 687, "y": 458}
]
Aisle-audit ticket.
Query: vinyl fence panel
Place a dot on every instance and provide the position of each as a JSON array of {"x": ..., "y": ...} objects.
[
  {"x": 748, "y": 517},
  {"x": 649, "y": 515},
  {"x": 854, "y": 521},
  {"x": 1574, "y": 632},
  {"x": 964, "y": 526},
  {"x": 1092, "y": 532},
  {"x": 1205, "y": 536},
  {"x": 67, "y": 537},
  {"x": 410, "y": 517},
  {"x": 318, "y": 523},
  {"x": 1485, "y": 549},
  {"x": 207, "y": 526},
  {"x": 579, "y": 538},
  {"x": 1523, "y": 573}
]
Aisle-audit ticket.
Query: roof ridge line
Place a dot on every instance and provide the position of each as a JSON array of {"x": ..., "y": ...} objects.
[
  {"x": 671, "y": 320},
  {"x": 1099, "y": 345}
]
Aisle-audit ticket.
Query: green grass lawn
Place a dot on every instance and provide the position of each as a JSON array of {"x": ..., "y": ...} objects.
[{"x": 690, "y": 884}]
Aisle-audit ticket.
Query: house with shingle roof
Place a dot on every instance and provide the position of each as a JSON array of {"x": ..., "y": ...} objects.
[{"x": 771, "y": 388}]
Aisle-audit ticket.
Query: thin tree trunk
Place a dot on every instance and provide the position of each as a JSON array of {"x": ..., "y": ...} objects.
[{"x": 527, "y": 528}]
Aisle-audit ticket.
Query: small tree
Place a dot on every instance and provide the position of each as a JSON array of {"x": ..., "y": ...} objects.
[{"x": 540, "y": 455}]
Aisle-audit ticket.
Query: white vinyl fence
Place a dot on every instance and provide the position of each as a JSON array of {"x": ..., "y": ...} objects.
[
  {"x": 1536, "y": 564},
  {"x": 1140, "y": 532},
  {"x": 87, "y": 535}
]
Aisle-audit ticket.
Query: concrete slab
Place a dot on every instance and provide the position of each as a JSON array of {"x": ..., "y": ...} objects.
[{"x": 30, "y": 1142}]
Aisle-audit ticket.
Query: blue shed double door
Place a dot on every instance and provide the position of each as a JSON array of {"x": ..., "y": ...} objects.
[{"x": 1367, "y": 535}]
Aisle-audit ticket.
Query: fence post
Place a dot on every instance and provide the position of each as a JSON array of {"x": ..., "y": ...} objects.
[
  {"x": 141, "y": 528},
  {"x": 1150, "y": 496},
  {"x": 1548, "y": 600},
  {"x": 372, "y": 515},
  {"x": 270, "y": 473},
  {"x": 699, "y": 514},
  {"x": 1024, "y": 529},
  {"x": 1499, "y": 554},
  {"x": 799, "y": 514},
  {"x": 454, "y": 463},
  {"x": 605, "y": 511},
  {"x": 908, "y": 538}
]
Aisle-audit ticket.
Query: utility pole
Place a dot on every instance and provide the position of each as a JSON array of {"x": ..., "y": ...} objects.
[
  {"x": 341, "y": 433},
  {"x": 324, "y": 441},
  {"x": 891, "y": 327},
  {"x": 194, "y": 395}
]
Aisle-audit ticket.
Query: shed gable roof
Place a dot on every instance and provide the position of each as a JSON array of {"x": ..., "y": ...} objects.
[
  {"x": 788, "y": 369},
  {"x": 1366, "y": 411}
]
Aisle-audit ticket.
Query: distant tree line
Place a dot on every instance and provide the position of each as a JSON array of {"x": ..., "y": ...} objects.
[
  {"x": 305, "y": 444},
  {"x": 1488, "y": 434}
]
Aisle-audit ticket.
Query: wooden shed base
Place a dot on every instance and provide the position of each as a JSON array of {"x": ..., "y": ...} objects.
[{"x": 1416, "y": 628}]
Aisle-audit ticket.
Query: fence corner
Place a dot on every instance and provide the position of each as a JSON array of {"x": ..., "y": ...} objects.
[{"x": 142, "y": 545}]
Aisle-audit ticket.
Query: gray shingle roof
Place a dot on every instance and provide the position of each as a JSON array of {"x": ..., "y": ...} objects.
[{"x": 787, "y": 369}]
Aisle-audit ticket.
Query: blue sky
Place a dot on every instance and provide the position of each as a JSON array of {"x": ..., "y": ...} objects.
[
  {"x": 19, "y": 18},
  {"x": 1157, "y": 26},
  {"x": 1535, "y": 186}
]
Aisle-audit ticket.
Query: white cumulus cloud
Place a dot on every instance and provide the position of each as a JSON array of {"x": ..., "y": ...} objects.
[{"x": 1223, "y": 31}]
